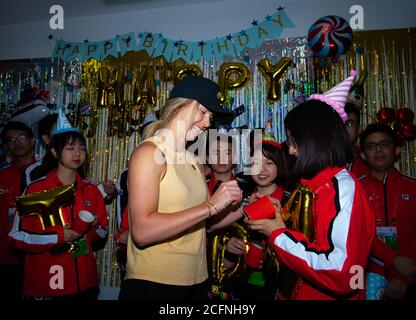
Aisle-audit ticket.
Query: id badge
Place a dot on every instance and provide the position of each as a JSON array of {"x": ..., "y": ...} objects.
[{"x": 389, "y": 236}]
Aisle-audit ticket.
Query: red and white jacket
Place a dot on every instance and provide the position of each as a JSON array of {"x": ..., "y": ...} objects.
[
  {"x": 40, "y": 265},
  {"x": 10, "y": 187},
  {"x": 344, "y": 233},
  {"x": 394, "y": 202}
]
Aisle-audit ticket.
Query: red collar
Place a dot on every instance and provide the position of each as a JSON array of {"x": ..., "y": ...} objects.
[
  {"x": 212, "y": 181},
  {"x": 276, "y": 194},
  {"x": 389, "y": 175},
  {"x": 22, "y": 167},
  {"x": 52, "y": 177}
]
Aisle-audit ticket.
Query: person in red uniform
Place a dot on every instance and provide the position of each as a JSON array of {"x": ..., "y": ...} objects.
[
  {"x": 18, "y": 140},
  {"x": 344, "y": 220},
  {"x": 269, "y": 180},
  {"x": 393, "y": 197},
  {"x": 220, "y": 161},
  {"x": 40, "y": 168},
  {"x": 51, "y": 271}
]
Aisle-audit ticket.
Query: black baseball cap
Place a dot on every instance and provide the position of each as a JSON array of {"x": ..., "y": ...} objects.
[{"x": 206, "y": 92}]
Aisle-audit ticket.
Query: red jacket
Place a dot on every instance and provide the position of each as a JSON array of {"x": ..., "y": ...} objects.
[
  {"x": 124, "y": 226},
  {"x": 39, "y": 266},
  {"x": 212, "y": 182},
  {"x": 358, "y": 167},
  {"x": 394, "y": 202},
  {"x": 344, "y": 232},
  {"x": 10, "y": 184}
]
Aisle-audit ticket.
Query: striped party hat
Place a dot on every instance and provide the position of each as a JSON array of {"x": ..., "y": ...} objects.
[{"x": 337, "y": 96}]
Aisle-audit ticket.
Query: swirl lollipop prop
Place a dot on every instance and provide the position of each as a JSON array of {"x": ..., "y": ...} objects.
[{"x": 330, "y": 37}]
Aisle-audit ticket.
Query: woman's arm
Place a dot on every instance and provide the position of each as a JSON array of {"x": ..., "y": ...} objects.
[
  {"x": 147, "y": 224},
  {"x": 224, "y": 219}
]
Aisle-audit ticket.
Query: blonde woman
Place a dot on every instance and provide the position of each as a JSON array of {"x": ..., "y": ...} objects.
[{"x": 168, "y": 200}]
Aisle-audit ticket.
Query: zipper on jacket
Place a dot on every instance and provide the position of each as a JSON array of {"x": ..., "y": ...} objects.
[
  {"x": 386, "y": 210},
  {"x": 75, "y": 258}
]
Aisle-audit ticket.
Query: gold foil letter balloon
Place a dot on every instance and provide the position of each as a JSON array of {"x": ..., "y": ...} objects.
[
  {"x": 184, "y": 70},
  {"x": 299, "y": 211},
  {"x": 144, "y": 92},
  {"x": 298, "y": 214},
  {"x": 273, "y": 74},
  {"x": 219, "y": 276},
  {"x": 232, "y": 75},
  {"x": 106, "y": 83},
  {"x": 144, "y": 97},
  {"x": 47, "y": 205}
]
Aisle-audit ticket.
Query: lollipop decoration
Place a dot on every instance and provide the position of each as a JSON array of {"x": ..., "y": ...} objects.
[{"x": 330, "y": 37}]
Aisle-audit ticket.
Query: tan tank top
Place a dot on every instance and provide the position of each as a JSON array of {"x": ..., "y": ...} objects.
[{"x": 182, "y": 259}]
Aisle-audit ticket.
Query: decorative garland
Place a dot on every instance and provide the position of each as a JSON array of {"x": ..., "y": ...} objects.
[{"x": 155, "y": 44}]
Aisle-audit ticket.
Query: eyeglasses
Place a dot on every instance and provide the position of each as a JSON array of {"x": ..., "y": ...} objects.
[
  {"x": 20, "y": 138},
  {"x": 382, "y": 145}
]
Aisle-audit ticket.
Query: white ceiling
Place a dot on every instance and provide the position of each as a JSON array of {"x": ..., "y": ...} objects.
[{"x": 28, "y": 11}]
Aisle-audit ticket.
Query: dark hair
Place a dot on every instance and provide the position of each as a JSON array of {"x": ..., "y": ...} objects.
[
  {"x": 58, "y": 143},
  {"x": 350, "y": 108},
  {"x": 278, "y": 157},
  {"x": 45, "y": 125},
  {"x": 291, "y": 180},
  {"x": 321, "y": 138},
  {"x": 15, "y": 125},
  {"x": 377, "y": 127}
]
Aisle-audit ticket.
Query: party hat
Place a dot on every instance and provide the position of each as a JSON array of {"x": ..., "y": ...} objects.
[
  {"x": 63, "y": 124},
  {"x": 268, "y": 136},
  {"x": 356, "y": 96},
  {"x": 337, "y": 96}
]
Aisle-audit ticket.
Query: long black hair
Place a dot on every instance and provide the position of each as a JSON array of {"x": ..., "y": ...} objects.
[
  {"x": 58, "y": 143},
  {"x": 320, "y": 136}
]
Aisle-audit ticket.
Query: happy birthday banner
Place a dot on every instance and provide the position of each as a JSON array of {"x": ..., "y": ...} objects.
[{"x": 157, "y": 45}]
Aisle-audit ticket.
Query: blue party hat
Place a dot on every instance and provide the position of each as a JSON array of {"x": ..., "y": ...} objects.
[{"x": 63, "y": 124}]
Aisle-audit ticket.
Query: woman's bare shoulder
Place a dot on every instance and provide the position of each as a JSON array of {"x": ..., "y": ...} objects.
[{"x": 148, "y": 152}]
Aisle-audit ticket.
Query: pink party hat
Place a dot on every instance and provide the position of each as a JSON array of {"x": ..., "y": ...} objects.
[{"x": 337, "y": 96}]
